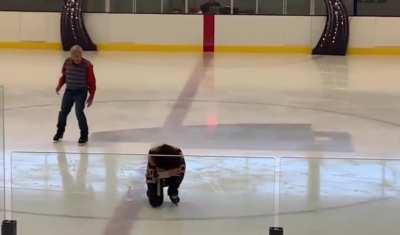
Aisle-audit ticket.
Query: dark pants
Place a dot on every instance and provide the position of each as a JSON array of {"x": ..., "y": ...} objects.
[
  {"x": 155, "y": 192},
  {"x": 71, "y": 97}
]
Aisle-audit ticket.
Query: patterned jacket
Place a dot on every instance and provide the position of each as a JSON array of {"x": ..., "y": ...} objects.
[{"x": 162, "y": 159}]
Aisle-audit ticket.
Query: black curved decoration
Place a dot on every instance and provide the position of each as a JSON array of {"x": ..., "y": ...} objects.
[
  {"x": 73, "y": 30},
  {"x": 335, "y": 38}
]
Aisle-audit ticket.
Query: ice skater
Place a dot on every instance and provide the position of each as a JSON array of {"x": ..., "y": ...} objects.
[
  {"x": 165, "y": 168},
  {"x": 78, "y": 75}
]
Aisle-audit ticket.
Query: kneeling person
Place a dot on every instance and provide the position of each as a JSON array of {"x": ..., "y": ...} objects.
[{"x": 165, "y": 168}]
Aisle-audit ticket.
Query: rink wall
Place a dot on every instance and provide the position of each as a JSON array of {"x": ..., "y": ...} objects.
[{"x": 268, "y": 34}]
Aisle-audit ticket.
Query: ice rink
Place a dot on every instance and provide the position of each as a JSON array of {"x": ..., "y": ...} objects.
[{"x": 308, "y": 143}]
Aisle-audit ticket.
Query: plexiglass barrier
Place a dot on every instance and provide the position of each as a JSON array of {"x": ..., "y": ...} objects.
[
  {"x": 247, "y": 7},
  {"x": 2, "y": 157},
  {"x": 62, "y": 193},
  {"x": 339, "y": 196}
]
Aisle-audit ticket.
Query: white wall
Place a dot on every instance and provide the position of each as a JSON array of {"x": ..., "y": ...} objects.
[
  {"x": 263, "y": 30},
  {"x": 145, "y": 29},
  {"x": 28, "y": 26},
  {"x": 105, "y": 28},
  {"x": 304, "y": 31},
  {"x": 9, "y": 26}
]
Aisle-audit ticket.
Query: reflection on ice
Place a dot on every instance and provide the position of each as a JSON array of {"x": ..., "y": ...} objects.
[{"x": 220, "y": 190}]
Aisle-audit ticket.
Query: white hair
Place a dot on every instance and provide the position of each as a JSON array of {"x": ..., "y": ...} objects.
[{"x": 76, "y": 48}]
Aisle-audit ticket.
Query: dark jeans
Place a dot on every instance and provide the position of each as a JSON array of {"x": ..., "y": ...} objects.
[
  {"x": 71, "y": 97},
  {"x": 155, "y": 192}
]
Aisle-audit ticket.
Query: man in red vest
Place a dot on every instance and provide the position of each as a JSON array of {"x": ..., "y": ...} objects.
[{"x": 79, "y": 78}]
